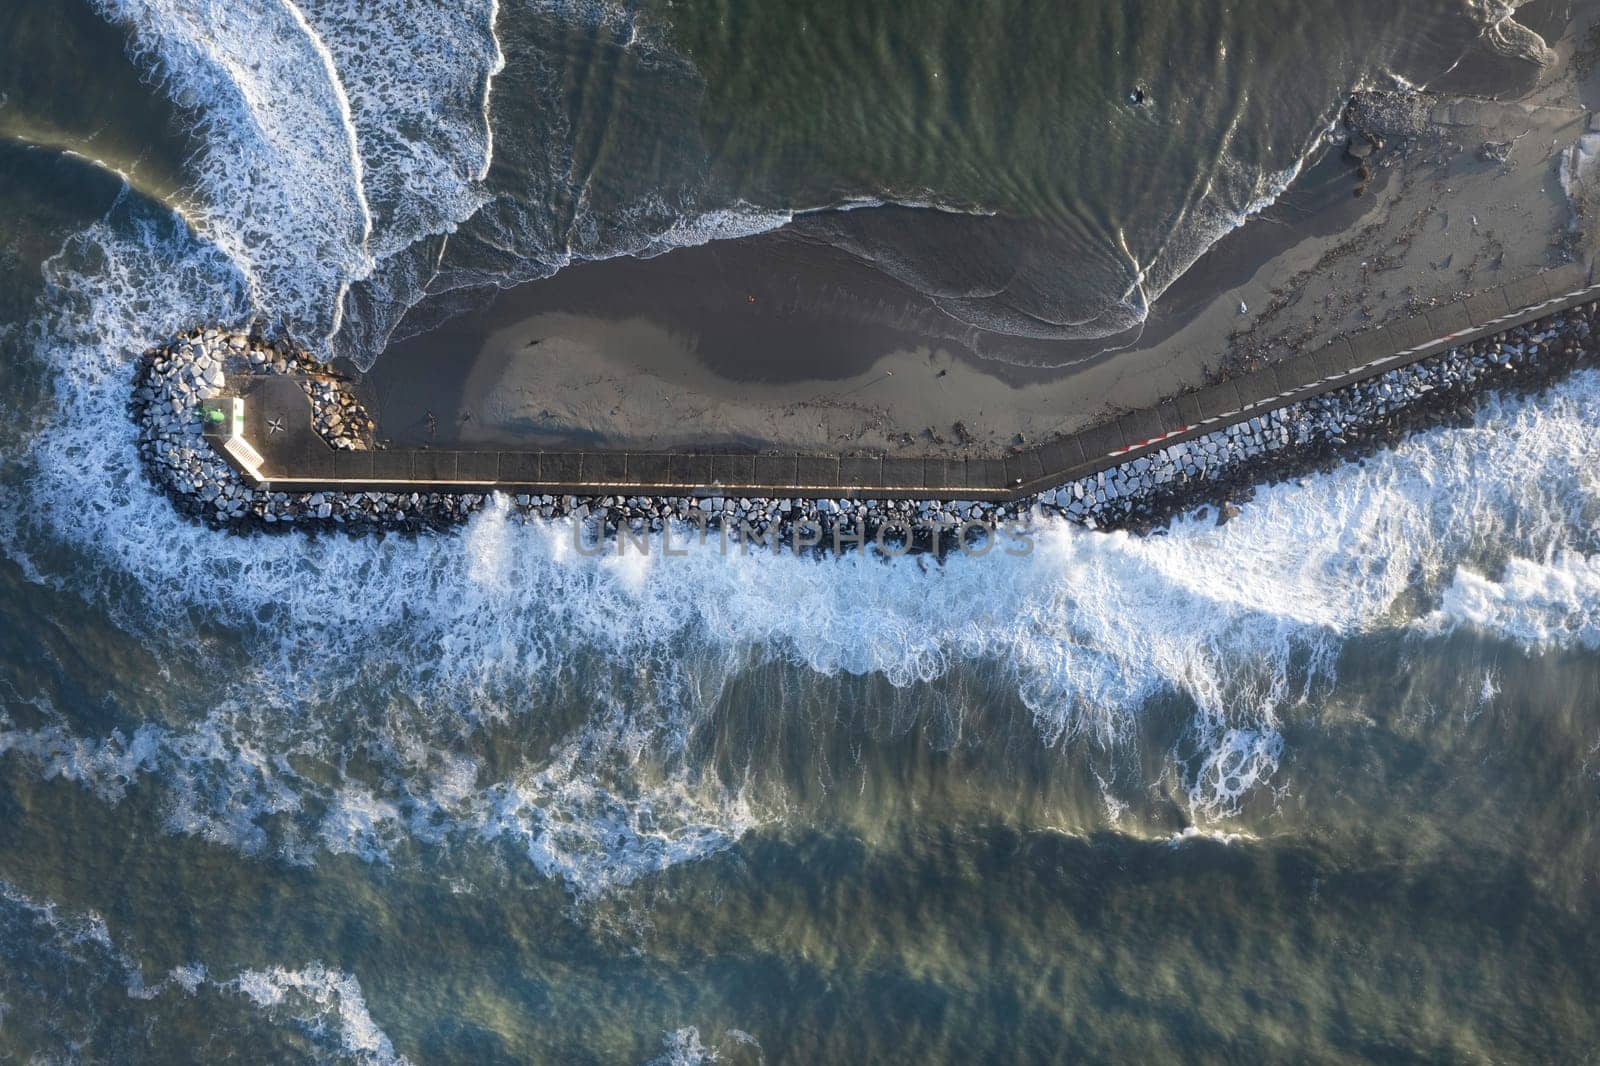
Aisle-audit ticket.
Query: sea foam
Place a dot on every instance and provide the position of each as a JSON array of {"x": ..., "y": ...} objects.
[
  {"x": 280, "y": 187},
  {"x": 1548, "y": 604},
  {"x": 314, "y": 997},
  {"x": 58, "y": 959},
  {"x": 327, "y": 148}
]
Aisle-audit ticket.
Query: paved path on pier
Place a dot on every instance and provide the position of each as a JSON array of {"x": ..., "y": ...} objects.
[{"x": 296, "y": 459}]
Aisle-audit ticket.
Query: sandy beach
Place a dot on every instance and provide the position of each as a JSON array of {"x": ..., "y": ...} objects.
[{"x": 783, "y": 342}]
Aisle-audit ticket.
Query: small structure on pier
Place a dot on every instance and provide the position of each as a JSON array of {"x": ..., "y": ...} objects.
[{"x": 222, "y": 421}]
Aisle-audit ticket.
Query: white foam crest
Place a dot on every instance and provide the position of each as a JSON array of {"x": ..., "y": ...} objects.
[
  {"x": 105, "y": 767},
  {"x": 595, "y": 836},
  {"x": 78, "y": 947},
  {"x": 1192, "y": 833},
  {"x": 222, "y": 787},
  {"x": 78, "y": 942},
  {"x": 217, "y": 784},
  {"x": 57, "y": 960},
  {"x": 1232, "y": 763},
  {"x": 418, "y": 77},
  {"x": 311, "y": 192},
  {"x": 585, "y": 817},
  {"x": 280, "y": 184},
  {"x": 362, "y": 824},
  {"x": 718, "y": 224},
  {"x": 66, "y": 929},
  {"x": 1551, "y": 604},
  {"x": 682, "y": 1047},
  {"x": 317, "y": 996},
  {"x": 744, "y": 219},
  {"x": 486, "y": 109},
  {"x": 1489, "y": 689}
]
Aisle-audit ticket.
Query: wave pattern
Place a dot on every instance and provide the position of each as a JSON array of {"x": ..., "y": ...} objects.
[
  {"x": 280, "y": 186},
  {"x": 65, "y": 970},
  {"x": 327, "y": 149}
]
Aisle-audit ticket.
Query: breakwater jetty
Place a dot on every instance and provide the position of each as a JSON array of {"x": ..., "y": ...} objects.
[{"x": 242, "y": 431}]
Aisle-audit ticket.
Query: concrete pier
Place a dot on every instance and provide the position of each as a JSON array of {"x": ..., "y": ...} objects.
[{"x": 277, "y": 428}]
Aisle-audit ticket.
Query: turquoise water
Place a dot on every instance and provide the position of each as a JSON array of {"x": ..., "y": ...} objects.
[{"x": 1317, "y": 784}]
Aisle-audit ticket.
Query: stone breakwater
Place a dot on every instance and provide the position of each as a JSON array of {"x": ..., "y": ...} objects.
[
  {"x": 1218, "y": 468},
  {"x": 1223, "y": 468},
  {"x": 172, "y": 382}
]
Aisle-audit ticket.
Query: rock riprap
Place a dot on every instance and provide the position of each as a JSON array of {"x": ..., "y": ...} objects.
[
  {"x": 173, "y": 381},
  {"x": 337, "y": 416}
]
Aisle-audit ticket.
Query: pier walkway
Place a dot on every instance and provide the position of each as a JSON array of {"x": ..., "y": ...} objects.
[{"x": 294, "y": 458}]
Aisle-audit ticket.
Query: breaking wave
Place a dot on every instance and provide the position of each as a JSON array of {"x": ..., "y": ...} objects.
[
  {"x": 1549, "y": 604},
  {"x": 336, "y": 171},
  {"x": 59, "y": 966},
  {"x": 327, "y": 148},
  {"x": 315, "y": 997}
]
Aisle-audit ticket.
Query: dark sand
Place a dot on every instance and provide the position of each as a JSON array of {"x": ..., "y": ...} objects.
[{"x": 779, "y": 342}]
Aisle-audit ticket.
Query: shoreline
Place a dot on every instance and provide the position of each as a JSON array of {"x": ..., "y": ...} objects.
[{"x": 784, "y": 342}]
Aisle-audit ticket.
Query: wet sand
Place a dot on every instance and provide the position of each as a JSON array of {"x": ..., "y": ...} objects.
[{"x": 779, "y": 342}]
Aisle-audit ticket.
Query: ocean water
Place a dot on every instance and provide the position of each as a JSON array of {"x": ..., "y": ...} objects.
[{"x": 1319, "y": 783}]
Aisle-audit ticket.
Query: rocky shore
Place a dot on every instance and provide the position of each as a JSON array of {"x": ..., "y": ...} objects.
[{"x": 1217, "y": 469}]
